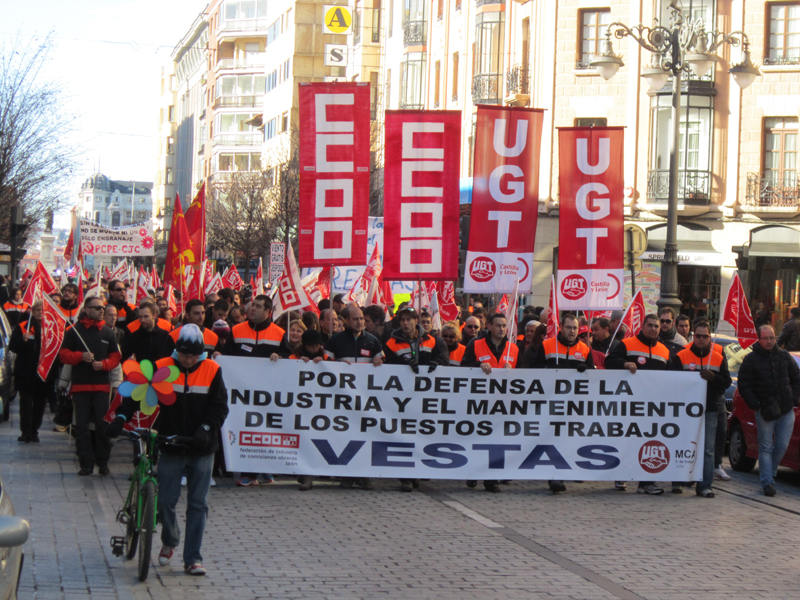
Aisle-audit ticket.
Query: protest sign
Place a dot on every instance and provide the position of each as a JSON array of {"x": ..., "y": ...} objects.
[
  {"x": 456, "y": 423},
  {"x": 136, "y": 240}
]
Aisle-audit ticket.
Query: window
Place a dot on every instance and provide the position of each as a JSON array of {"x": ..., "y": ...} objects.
[
  {"x": 376, "y": 21},
  {"x": 437, "y": 68},
  {"x": 591, "y": 122},
  {"x": 97, "y": 216},
  {"x": 170, "y": 145},
  {"x": 286, "y": 70},
  {"x": 357, "y": 24},
  {"x": 455, "y": 77},
  {"x": 593, "y": 24},
  {"x": 115, "y": 219},
  {"x": 273, "y": 31},
  {"x": 234, "y": 123},
  {"x": 245, "y": 9},
  {"x": 784, "y": 34},
  {"x": 169, "y": 176},
  {"x": 780, "y": 150},
  {"x": 412, "y": 82},
  {"x": 242, "y": 85},
  {"x": 171, "y": 113},
  {"x": 270, "y": 129},
  {"x": 271, "y": 81},
  {"x": 414, "y": 23},
  {"x": 285, "y": 121},
  {"x": 439, "y": 10},
  {"x": 488, "y": 60},
  {"x": 391, "y": 17}
]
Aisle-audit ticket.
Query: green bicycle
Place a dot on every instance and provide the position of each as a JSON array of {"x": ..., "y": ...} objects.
[{"x": 139, "y": 515}]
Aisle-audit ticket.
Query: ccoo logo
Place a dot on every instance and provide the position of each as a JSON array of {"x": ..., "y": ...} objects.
[
  {"x": 654, "y": 456},
  {"x": 482, "y": 269},
  {"x": 573, "y": 287}
]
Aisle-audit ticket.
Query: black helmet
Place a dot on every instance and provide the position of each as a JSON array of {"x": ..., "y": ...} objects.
[{"x": 190, "y": 340}]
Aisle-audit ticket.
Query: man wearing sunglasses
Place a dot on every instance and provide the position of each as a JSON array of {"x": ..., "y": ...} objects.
[
  {"x": 91, "y": 348},
  {"x": 668, "y": 333},
  {"x": 701, "y": 358},
  {"x": 126, "y": 314},
  {"x": 471, "y": 330}
]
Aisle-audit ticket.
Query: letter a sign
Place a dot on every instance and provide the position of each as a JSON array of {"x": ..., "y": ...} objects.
[
  {"x": 337, "y": 19},
  {"x": 591, "y": 222}
]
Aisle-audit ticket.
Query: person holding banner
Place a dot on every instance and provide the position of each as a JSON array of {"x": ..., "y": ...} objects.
[
  {"x": 565, "y": 351},
  {"x": 642, "y": 352},
  {"x": 451, "y": 335},
  {"x": 91, "y": 349},
  {"x": 492, "y": 351},
  {"x": 195, "y": 313},
  {"x": 700, "y": 356}
]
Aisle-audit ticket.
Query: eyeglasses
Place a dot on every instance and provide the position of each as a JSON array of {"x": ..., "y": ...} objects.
[
  {"x": 701, "y": 336},
  {"x": 97, "y": 307},
  {"x": 470, "y": 326},
  {"x": 667, "y": 321},
  {"x": 584, "y": 336}
]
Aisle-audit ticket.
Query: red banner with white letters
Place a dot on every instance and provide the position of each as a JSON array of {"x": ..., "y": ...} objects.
[
  {"x": 505, "y": 199},
  {"x": 334, "y": 173},
  {"x": 591, "y": 222},
  {"x": 421, "y": 195}
]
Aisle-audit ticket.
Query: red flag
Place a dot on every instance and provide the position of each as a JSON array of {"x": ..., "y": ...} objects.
[
  {"x": 505, "y": 199},
  {"x": 80, "y": 288},
  {"x": 42, "y": 281},
  {"x": 737, "y": 313},
  {"x": 196, "y": 225},
  {"x": 195, "y": 287},
  {"x": 423, "y": 153},
  {"x": 25, "y": 277},
  {"x": 214, "y": 285},
  {"x": 358, "y": 292},
  {"x": 633, "y": 319},
  {"x": 68, "y": 248},
  {"x": 142, "y": 284},
  {"x": 208, "y": 273},
  {"x": 447, "y": 301},
  {"x": 179, "y": 248},
  {"x": 154, "y": 278},
  {"x": 334, "y": 162},
  {"x": 120, "y": 272},
  {"x": 169, "y": 294},
  {"x": 552, "y": 318},
  {"x": 591, "y": 275},
  {"x": 53, "y": 324},
  {"x": 503, "y": 306},
  {"x": 232, "y": 279},
  {"x": 324, "y": 282},
  {"x": 259, "y": 289},
  {"x": 252, "y": 282},
  {"x": 291, "y": 294}
]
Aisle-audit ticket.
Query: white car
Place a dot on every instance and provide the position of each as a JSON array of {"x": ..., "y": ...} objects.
[{"x": 13, "y": 534}]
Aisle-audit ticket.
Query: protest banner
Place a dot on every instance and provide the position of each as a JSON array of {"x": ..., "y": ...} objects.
[
  {"x": 136, "y": 240},
  {"x": 456, "y": 423}
]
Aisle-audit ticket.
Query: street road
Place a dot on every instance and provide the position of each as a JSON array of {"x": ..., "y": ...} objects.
[{"x": 445, "y": 541}]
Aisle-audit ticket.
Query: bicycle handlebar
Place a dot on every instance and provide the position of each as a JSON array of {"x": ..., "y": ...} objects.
[{"x": 140, "y": 432}]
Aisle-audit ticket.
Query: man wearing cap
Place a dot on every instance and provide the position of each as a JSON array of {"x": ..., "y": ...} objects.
[{"x": 198, "y": 412}]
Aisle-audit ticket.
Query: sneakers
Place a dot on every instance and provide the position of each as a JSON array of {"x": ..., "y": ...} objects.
[
  {"x": 165, "y": 555},
  {"x": 267, "y": 478},
  {"x": 770, "y": 490},
  {"x": 491, "y": 486},
  {"x": 195, "y": 569},
  {"x": 649, "y": 488},
  {"x": 707, "y": 493},
  {"x": 245, "y": 482},
  {"x": 306, "y": 483},
  {"x": 719, "y": 473},
  {"x": 620, "y": 486},
  {"x": 677, "y": 488}
]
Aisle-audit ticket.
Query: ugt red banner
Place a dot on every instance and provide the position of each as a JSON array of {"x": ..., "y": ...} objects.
[
  {"x": 505, "y": 199},
  {"x": 420, "y": 238},
  {"x": 590, "y": 233},
  {"x": 334, "y": 173}
]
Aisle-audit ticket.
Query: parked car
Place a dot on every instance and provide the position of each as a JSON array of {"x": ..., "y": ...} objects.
[
  {"x": 743, "y": 436},
  {"x": 6, "y": 369},
  {"x": 13, "y": 534}
]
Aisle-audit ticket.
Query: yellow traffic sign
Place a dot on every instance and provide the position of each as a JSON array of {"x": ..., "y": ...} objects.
[
  {"x": 635, "y": 240},
  {"x": 336, "y": 19}
]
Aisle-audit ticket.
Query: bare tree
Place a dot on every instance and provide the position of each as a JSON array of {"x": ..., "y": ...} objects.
[
  {"x": 238, "y": 215},
  {"x": 284, "y": 197},
  {"x": 36, "y": 161}
]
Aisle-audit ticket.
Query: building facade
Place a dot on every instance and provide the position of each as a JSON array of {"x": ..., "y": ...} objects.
[{"x": 115, "y": 203}]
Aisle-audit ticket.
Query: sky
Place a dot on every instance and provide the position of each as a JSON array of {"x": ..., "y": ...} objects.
[{"x": 108, "y": 56}]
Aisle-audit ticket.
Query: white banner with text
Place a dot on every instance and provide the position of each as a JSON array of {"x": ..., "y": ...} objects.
[{"x": 456, "y": 423}]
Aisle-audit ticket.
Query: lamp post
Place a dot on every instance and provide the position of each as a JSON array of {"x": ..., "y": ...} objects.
[{"x": 684, "y": 46}]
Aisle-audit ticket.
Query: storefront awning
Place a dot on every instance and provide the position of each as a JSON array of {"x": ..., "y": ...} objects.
[
  {"x": 775, "y": 240},
  {"x": 694, "y": 246}
]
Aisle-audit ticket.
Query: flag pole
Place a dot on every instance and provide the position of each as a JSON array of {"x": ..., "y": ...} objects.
[{"x": 330, "y": 287}]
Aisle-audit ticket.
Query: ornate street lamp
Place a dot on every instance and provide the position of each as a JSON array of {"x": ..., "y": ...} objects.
[{"x": 681, "y": 47}]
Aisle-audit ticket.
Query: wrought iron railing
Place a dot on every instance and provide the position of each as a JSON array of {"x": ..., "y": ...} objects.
[
  {"x": 769, "y": 190},
  {"x": 518, "y": 80},
  {"x": 414, "y": 33},
  {"x": 487, "y": 89},
  {"x": 782, "y": 60},
  {"x": 694, "y": 187}
]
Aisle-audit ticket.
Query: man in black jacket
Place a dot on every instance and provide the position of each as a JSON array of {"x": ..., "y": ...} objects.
[
  {"x": 198, "y": 412},
  {"x": 148, "y": 342},
  {"x": 126, "y": 314},
  {"x": 769, "y": 382},
  {"x": 790, "y": 334}
]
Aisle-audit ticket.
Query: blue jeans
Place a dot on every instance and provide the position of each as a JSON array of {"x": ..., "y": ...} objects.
[
  {"x": 770, "y": 452},
  {"x": 171, "y": 467},
  {"x": 708, "y": 452}
]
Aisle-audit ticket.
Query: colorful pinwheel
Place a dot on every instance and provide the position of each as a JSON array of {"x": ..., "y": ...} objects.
[{"x": 146, "y": 387}]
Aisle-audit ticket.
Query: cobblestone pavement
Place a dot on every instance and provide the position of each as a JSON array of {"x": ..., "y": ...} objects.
[{"x": 446, "y": 541}]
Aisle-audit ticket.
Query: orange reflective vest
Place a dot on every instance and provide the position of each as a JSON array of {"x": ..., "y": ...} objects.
[
  {"x": 457, "y": 354},
  {"x": 70, "y": 314},
  {"x": 13, "y": 309},
  {"x": 641, "y": 353},
  {"x": 271, "y": 336},
  {"x": 556, "y": 353},
  {"x": 161, "y": 324},
  {"x": 199, "y": 380},
  {"x": 484, "y": 354},
  {"x": 402, "y": 349},
  {"x": 692, "y": 362},
  {"x": 210, "y": 339}
]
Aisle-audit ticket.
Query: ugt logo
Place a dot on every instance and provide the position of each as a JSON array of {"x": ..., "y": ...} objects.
[
  {"x": 654, "y": 456},
  {"x": 573, "y": 287}
]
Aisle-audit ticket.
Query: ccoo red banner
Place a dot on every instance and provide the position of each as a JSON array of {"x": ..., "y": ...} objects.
[
  {"x": 334, "y": 173},
  {"x": 505, "y": 199},
  {"x": 421, "y": 195},
  {"x": 590, "y": 233}
]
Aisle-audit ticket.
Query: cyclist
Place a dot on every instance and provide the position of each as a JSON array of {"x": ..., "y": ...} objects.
[{"x": 198, "y": 412}]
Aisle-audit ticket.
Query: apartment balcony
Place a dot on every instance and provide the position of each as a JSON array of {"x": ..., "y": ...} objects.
[
  {"x": 768, "y": 194},
  {"x": 239, "y": 139},
  {"x": 694, "y": 191},
  {"x": 250, "y": 64},
  {"x": 487, "y": 88},
  {"x": 238, "y": 101},
  {"x": 414, "y": 33},
  {"x": 518, "y": 91},
  {"x": 482, "y": 2},
  {"x": 244, "y": 27}
]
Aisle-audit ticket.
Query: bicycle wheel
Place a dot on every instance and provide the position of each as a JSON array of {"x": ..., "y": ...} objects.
[
  {"x": 146, "y": 531},
  {"x": 131, "y": 532}
]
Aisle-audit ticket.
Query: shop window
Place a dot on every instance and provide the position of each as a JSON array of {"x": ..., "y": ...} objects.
[
  {"x": 593, "y": 23},
  {"x": 783, "y": 44},
  {"x": 412, "y": 84}
]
